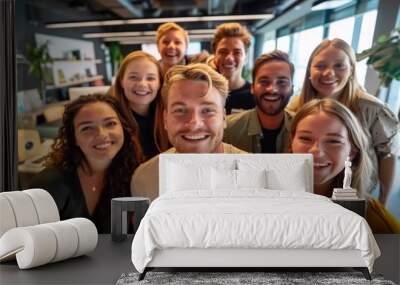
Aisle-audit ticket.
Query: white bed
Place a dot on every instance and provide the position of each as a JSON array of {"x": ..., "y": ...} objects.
[{"x": 252, "y": 210}]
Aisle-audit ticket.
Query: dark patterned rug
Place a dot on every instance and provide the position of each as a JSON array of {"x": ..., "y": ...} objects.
[{"x": 229, "y": 278}]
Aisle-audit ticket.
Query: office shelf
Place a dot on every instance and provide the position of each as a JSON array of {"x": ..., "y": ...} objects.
[{"x": 76, "y": 82}]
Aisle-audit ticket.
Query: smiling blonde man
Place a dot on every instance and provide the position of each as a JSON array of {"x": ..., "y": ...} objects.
[{"x": 194, "y": 97}]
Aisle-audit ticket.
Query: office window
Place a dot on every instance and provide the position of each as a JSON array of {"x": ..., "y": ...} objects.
[
  {"x": 268, "y": 46},
  {"x": 283, "y": 43},
  {"x": 342, "y": 29},
  {"x": 193, "y": 48},
  {"x": 151, "y": 49},
  {"x": 365, "y": 42},
  {"x": 304, "y": 43}
]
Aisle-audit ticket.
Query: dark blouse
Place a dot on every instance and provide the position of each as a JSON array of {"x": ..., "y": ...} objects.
[
  {"x": 240, "y": 99},
  {"x": 146, "y": 132},
  {"x": 65, "y": 188}
]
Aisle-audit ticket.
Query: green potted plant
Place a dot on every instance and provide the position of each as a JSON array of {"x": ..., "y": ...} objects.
[
  {"x": 38, "y": 57},
  {"x": 384, "y": 57},
  {"x": 116, "y": 56}
]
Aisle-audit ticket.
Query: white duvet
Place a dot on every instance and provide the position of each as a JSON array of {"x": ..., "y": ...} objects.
[{"x": 253, "y": 218}]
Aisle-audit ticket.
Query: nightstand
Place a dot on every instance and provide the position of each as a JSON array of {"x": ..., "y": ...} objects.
[
  {"x": 358, "y": 206},
  {"x": 119, "y": 210}
]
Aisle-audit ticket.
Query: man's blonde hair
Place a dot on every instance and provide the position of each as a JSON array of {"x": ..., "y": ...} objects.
[
  {"x": 164, "y": 28},
  {"x": 198, "y": 72},
  {"x": 232, "y": 30}
]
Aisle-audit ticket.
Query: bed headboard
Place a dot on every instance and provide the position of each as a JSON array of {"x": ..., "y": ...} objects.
[{"x": 284, "y": 171}]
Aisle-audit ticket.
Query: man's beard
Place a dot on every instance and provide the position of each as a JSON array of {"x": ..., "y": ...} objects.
[{"x": 270, "y": 110}]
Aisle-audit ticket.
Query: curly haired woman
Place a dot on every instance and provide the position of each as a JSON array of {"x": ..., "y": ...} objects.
[{"x": 92, "y": 160}]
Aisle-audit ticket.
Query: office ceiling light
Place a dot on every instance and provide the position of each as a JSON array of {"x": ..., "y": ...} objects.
[
  {"x": 142, "y": 33},
  {"x": 327, "y": 5},
  {"x": 201, "y": 37},
  {"x": 202, "y": 31},
  {"x": 118, "y": 34},
  {"x": 118, "y": 39},
  {"x": 158, "y": 21},
  {"x": 136, "y": 40},
  {"x": 152, "y": 39}
]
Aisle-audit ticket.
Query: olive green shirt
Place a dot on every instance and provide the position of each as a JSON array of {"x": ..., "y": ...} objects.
[{"x": 244, "y": 131}]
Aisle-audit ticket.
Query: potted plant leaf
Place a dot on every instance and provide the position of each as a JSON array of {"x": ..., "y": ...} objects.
[
  {"x": 384, "y": 57},
  {"x": 116, "y": 56},
  {"x": 39, "y": 57}
]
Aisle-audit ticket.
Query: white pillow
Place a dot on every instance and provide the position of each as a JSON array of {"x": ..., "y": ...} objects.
[
  {"x": 188, "y": 177},
  {"x": 279, "y": 180},
  {"x": 223, "y": 179},
  {"x": 226, "y": 179},
  {"x": 282, "y": 174},
  {"x": 251, "y": 178}
]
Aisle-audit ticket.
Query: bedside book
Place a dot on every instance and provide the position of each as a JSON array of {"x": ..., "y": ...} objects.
[{"x": 344, "y": 194}]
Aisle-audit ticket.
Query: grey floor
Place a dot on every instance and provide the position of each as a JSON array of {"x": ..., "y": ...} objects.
[{"x": 110, "y": 260}]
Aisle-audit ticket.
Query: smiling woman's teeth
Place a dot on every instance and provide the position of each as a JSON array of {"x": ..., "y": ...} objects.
[
  {"x": 141, "y": 93},
  {"x": 328, "y": 82},
  {"x": 320, "y": 164},
  {"x": 102, "y": 146}
]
